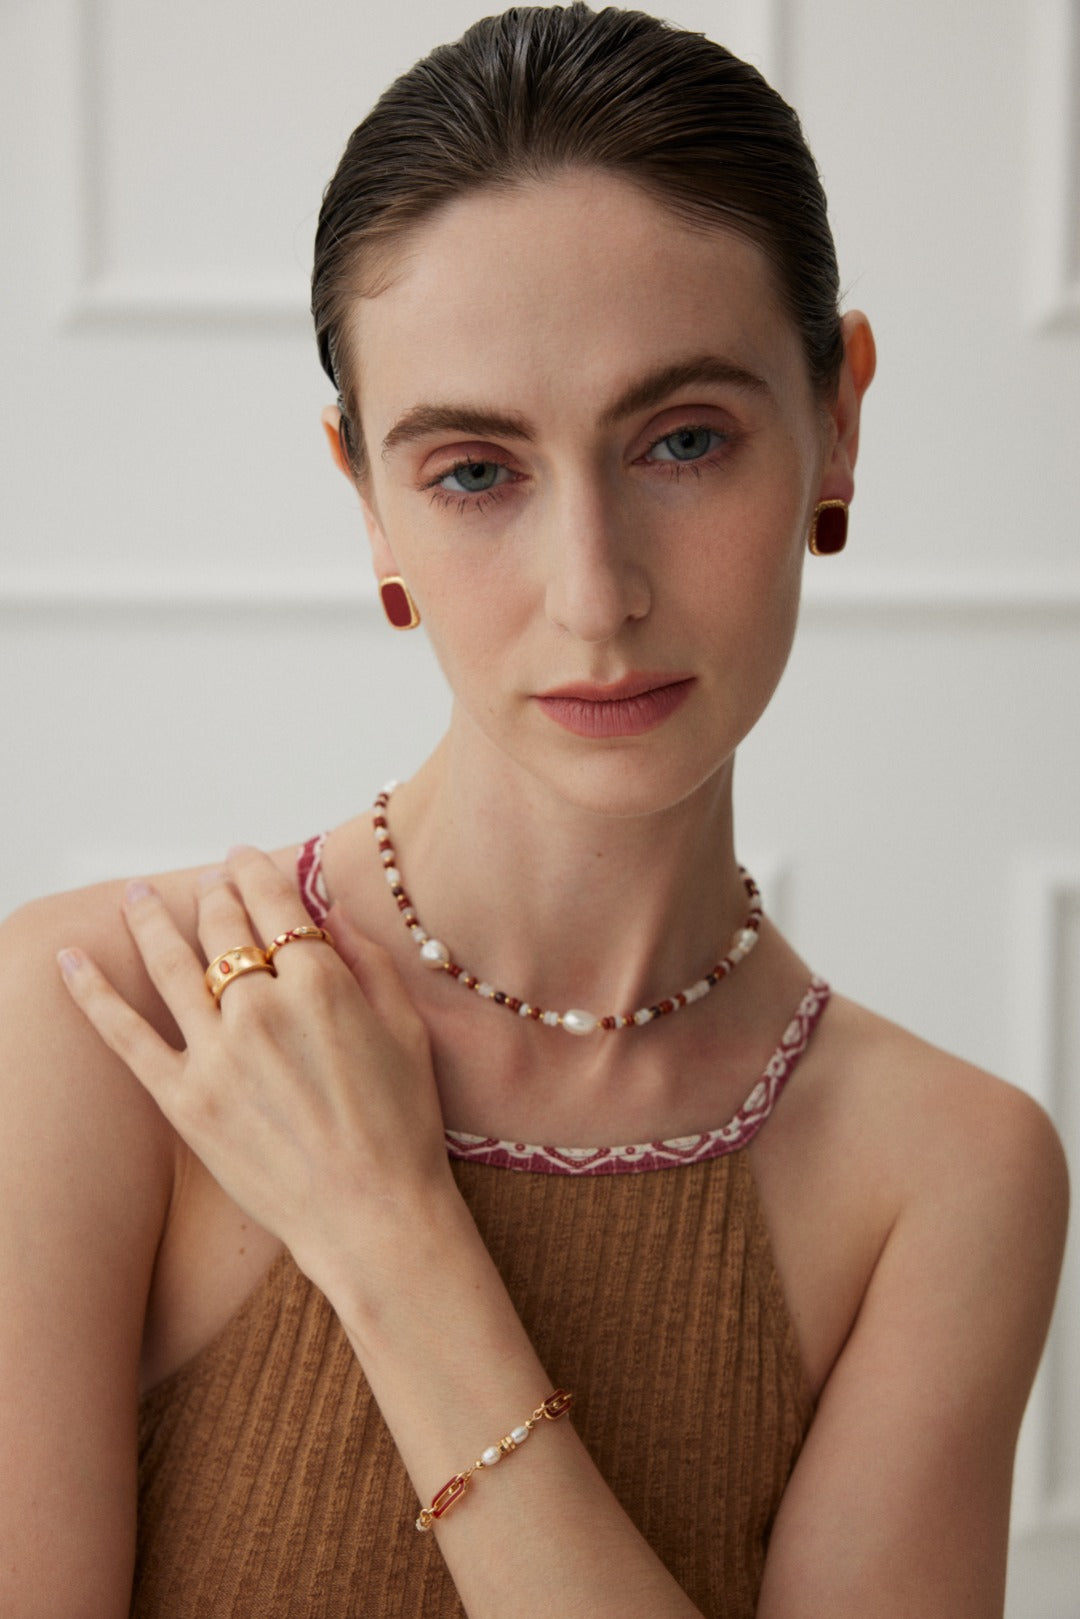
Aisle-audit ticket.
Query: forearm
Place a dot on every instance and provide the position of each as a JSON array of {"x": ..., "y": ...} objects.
[{"x": 452, "y": 1370}]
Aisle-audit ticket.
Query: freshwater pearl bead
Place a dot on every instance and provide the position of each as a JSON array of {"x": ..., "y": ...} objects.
[
  {"x": 576, "y": 1020},
  {"x": 519, "y": 1435},
  {"x": 491, "y": 1455}
]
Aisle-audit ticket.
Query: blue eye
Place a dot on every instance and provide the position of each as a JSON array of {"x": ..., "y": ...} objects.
[
  {"x": 688, "y": 444},
  {"x": 473, "y": 477}
]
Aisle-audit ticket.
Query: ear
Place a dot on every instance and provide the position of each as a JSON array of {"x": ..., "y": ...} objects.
[
  {"x": 331, "y": 422},
  {"x": 381, "y": 555},
  {"x": 856, "y": 375}
]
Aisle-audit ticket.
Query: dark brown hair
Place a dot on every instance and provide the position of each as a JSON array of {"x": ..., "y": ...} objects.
[{"x": 542, "y": 89}]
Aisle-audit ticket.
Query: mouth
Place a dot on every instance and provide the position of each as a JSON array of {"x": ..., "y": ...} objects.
[{"x": 629, "y": 707}]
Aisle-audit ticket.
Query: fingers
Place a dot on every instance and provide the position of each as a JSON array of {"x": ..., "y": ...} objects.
[
  {"x": 223, "y": 922},
  {"x": 375, "y": 972},
  {"x": 252, "y": 892},
  {"x": 174, "y": 968},
  {"x": 150, "y": 1058},
  {"x": 268, "y": 896}
]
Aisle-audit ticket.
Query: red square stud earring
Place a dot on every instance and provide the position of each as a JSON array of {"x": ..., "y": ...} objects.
[
  {"x": 400, "y": 609},
  {"x": 828, "y": 530}
]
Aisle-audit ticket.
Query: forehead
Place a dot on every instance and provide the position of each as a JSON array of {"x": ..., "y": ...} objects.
[{"x": 559, "y": 288}]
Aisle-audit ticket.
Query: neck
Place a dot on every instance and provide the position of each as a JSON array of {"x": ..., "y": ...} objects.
[{"x": 559, "y": 903}]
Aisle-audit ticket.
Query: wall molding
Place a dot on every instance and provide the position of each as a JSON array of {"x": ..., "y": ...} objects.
[
  {"x": 1042, "y": 594},
  {"x": 1054, "y": 166},
  {"x": 102, "y": 298},
  {"x": 1047, "y": 903}
]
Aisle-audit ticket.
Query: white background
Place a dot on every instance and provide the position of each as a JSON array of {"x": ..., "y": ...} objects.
[{"x": 190, "y": 651}]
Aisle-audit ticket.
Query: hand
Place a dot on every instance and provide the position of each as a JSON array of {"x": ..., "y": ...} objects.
[{"x": 310, "y": 1096}]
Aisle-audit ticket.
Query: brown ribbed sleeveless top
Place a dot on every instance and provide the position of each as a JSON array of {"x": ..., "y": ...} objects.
[{"x": 269, "y": 1485}]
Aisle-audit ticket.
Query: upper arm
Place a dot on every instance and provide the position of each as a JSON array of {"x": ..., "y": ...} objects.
[
  {"x": 899, "y": 1503},
  {"x": 85, "y": 1173}
]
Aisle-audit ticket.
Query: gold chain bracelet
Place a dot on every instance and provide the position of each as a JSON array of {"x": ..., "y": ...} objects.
[{"x": 555, "y": 1406}]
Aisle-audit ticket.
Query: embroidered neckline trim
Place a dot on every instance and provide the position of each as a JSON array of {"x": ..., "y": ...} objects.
[{"x": 738, "y": 1132}]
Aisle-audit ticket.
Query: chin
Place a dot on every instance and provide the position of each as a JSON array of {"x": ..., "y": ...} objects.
[{"x": 622, "y": 782}]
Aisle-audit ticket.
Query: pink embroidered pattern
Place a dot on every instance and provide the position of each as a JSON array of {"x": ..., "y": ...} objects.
[
  {"x": 730, "y": 1137},
  {"x": 309, "y": 876},
  {"x": 738, "y": 1131}
]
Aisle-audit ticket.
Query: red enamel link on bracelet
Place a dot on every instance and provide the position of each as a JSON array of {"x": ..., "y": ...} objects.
[{"x": 555, "y": 1406}]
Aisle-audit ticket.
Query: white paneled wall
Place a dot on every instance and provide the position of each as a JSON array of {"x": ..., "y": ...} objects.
[{"x": 189, "y": 649}]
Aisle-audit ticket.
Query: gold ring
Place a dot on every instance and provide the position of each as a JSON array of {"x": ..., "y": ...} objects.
[
  {"x": 294, "y": 934},
  {"x": 245, "y": 958}
]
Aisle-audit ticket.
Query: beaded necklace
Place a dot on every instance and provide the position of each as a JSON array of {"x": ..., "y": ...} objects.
[{"x": 435, "y": 954}]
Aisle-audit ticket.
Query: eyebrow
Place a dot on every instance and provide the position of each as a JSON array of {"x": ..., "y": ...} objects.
[{"x": 477, "y": 422}]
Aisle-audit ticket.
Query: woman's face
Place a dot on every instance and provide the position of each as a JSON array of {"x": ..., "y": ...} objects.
[{"x": 593, "y": 454}]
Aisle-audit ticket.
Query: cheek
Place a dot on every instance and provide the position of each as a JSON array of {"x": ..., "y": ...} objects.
[{"x": 478, "y": 614}]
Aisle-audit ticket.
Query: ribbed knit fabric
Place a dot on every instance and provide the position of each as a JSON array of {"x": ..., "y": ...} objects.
[{"x": 271, "y": 1489}]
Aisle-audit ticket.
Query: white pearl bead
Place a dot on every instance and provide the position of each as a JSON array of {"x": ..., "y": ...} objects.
[
  {"x": 702, "y": 987},
  {"x": 551, "y": 1019},
  {"x": 491, "y": 1455},
  {"x": 382, "y": 834},
  {"x": 524, "y": 1009},
  {"x": 389, "y": 788},
  {"x": 643, "y": 1016},
  {"x": 577, "y": 1021},
  {"x": 419, "y": 935},
  {"x": 748, "y": 938},
  {"x": 519, "y": 1435},
  {"x": 386, "y": 856},
  {"x": 392, "y": 875},
  {"x": 486, "y": 990},
  {"x": 434, "y": 953}
]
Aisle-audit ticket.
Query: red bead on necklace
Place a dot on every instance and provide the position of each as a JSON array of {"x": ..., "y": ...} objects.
[{"x": 575, "y": 1021}]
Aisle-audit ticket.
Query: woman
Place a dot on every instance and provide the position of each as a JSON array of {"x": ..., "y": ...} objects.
[{"x": 575, "y": 288}]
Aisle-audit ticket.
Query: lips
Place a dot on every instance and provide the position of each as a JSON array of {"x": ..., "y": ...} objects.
[
  {"x": 628, "y": 707},
  {"x": 632, "y": 685}
]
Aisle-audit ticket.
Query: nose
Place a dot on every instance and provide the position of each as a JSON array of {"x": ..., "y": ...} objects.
[{"x": 597, "y": 581}]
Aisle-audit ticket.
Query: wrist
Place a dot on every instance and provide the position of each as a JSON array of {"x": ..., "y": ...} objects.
[{"x": 394, "y": 1253}]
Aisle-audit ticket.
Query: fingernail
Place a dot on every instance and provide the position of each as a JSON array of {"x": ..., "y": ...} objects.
[
  {"x": 70, "y": 961},
  {"x": 136, "y": 891}
]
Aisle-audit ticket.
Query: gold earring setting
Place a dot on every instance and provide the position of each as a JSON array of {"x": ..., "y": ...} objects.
[
  {"x": 397, "y": 603},
  {"x": 828, "y": 529}
]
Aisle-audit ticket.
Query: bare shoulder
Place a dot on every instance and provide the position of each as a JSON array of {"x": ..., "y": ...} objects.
[
  {"x": 961, "y": 1179},
  {"x": 53, "y": 1067},
  {"x": 89, "y": 1170},
  {"x": 881, "y": 1135},
  {"x": 939, "y": 1127}
]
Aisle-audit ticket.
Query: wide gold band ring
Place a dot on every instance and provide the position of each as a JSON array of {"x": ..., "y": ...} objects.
[
  {"x": 293, "y": 935},
  {"x": 245, "y": 958}
]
